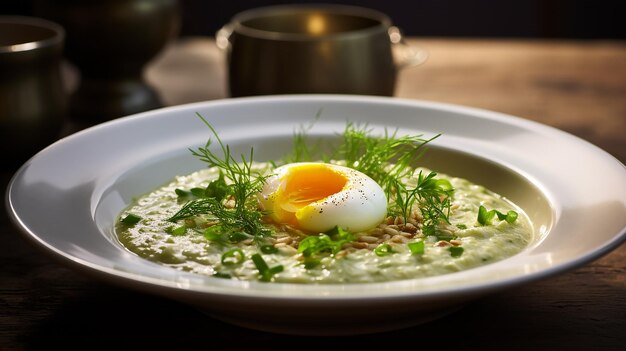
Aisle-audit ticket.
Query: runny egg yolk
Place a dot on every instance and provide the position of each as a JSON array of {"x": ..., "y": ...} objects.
[{"x": 317, "y": 197}]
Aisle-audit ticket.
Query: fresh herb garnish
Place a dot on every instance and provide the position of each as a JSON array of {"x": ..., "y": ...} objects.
[
  {"x": 445, "y": 237},
  {"x": 268, "y": 249},
  {"x": 221, "y": 275},
  {"x": 331, "y": 241},
  {"x": 178, "y": 231},
  {"x": 486, "y": 217},
  {"x": 383, "y": 250},
  {"x": 243, "y": 186},
  {"x": 233, "y": 257},
  {"x": 131, "y": 219},
  {"x": 385, "y": 159},
  {"x": 224, "y": 235},
  {"x": 455, "y": 251},
  {"x": 264, "y": 270},
  {"x": 302, "y": 149},
  {"x": 433, "y": 196},
  {"x": 183, "y": 193},
  {"x": 417, "y": 248},
  {"x": 311, "y": 262}
]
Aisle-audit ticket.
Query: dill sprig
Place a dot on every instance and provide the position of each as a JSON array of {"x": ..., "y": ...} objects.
[
  {"x": 242, "y": 187},
  {"x": 302, "y": 150},
  {"x": 385, "y": 159},
  {"x": 433, "y": 197}
]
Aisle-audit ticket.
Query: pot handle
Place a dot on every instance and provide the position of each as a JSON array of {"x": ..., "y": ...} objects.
[
  {"x": 222, "y": 37},
  {"x": 405, "y": 55}
]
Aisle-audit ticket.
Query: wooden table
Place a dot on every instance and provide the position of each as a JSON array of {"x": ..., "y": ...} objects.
[{"x": 577, "y": 86}]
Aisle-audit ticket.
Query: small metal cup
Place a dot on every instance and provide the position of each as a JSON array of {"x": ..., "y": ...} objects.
[
  {"x": 32, "y": 95},
  {"x": 293, "y": 49}
]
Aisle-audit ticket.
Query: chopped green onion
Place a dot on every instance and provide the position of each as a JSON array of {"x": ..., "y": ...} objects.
[
  {"x": 332, "y": 241},
  {"x": 238, "y": 237},
  {"x": 417, "y": 248},
  {"x": 266, "y": 272},
  {"x": 179, "y": 231},
  {"x": 511, "y": 216},
  {"x": 232, "y": 257},
  {"x": 219, "y": 233},
  {"x": 310, "y": 262},
  {"x": 213, "y": 233},
  {"x": 182, "y": 193},
  {"x": 217, "y": 188},
  {"x": 338, "y": 233},
  {"x": 461, "y": 226},
  {"x": 444, "y": 185},
  {"x": 131, "y": 219},
  {"x": 455, "y": 251},
  {"x": 198, "y": 192},
  {"x": 383, "y": 250},
  {"x": 445, "y": 237},
  {"x": 269, "y": 249},
  {"x": 221, "y": 275},
  {"x": 486, "y": 217}
]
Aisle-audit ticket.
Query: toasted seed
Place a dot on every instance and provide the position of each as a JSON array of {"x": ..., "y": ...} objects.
[
  {"x": 284, "y": 240},
  {"x": 358, "y": 245},
  {"x": 391, "y": 231},
  {"x": 376, "y": 232},
  {"x": 399, "y": 239},
  {"x": 342, "y": 253},
  {"x": 409, "y": 228},
  {"x": 456, "y": 242},
  {"x": 407, "y": 235},
  {"x": 368, "y": 239},
  {"x": 442, "y": 243},
  {"x": 287, "y": 250}
]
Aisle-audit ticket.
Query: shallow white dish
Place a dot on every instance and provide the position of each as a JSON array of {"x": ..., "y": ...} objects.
[{"x": 67, "y": 197}]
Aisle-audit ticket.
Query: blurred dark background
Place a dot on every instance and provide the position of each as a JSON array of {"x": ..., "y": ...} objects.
[{"x": 588, "y": 19}]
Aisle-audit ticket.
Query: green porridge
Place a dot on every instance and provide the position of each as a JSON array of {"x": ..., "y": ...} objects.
[{"x": 355, "y": 217}]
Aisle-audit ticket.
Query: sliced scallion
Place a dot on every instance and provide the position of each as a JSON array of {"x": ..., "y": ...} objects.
[
  {"x": 455, "y": 251},
  {"x": 178, "y": 231},
  {"x": 417, "y": 248},
  {"x": 268, "y": 249},
  {"x": 182, "y": 193},
  {"x": 221, "y": 275},
  {"x": 233, "y": 257},
  {"x": 486, "y": 217},
  {"x": 131, "y": 219},
  {"x": 383, "y": 250},
  {"x": 264, "y": 270}
]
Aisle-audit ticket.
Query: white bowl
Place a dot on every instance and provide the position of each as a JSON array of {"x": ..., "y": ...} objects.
[{"x": 67, "y": 197}]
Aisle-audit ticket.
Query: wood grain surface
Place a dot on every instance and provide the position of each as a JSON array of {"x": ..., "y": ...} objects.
[{"x": 576, "y": 86}]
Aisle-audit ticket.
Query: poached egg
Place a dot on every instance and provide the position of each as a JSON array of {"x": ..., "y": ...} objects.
[{"x": 316, "y": 197}]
